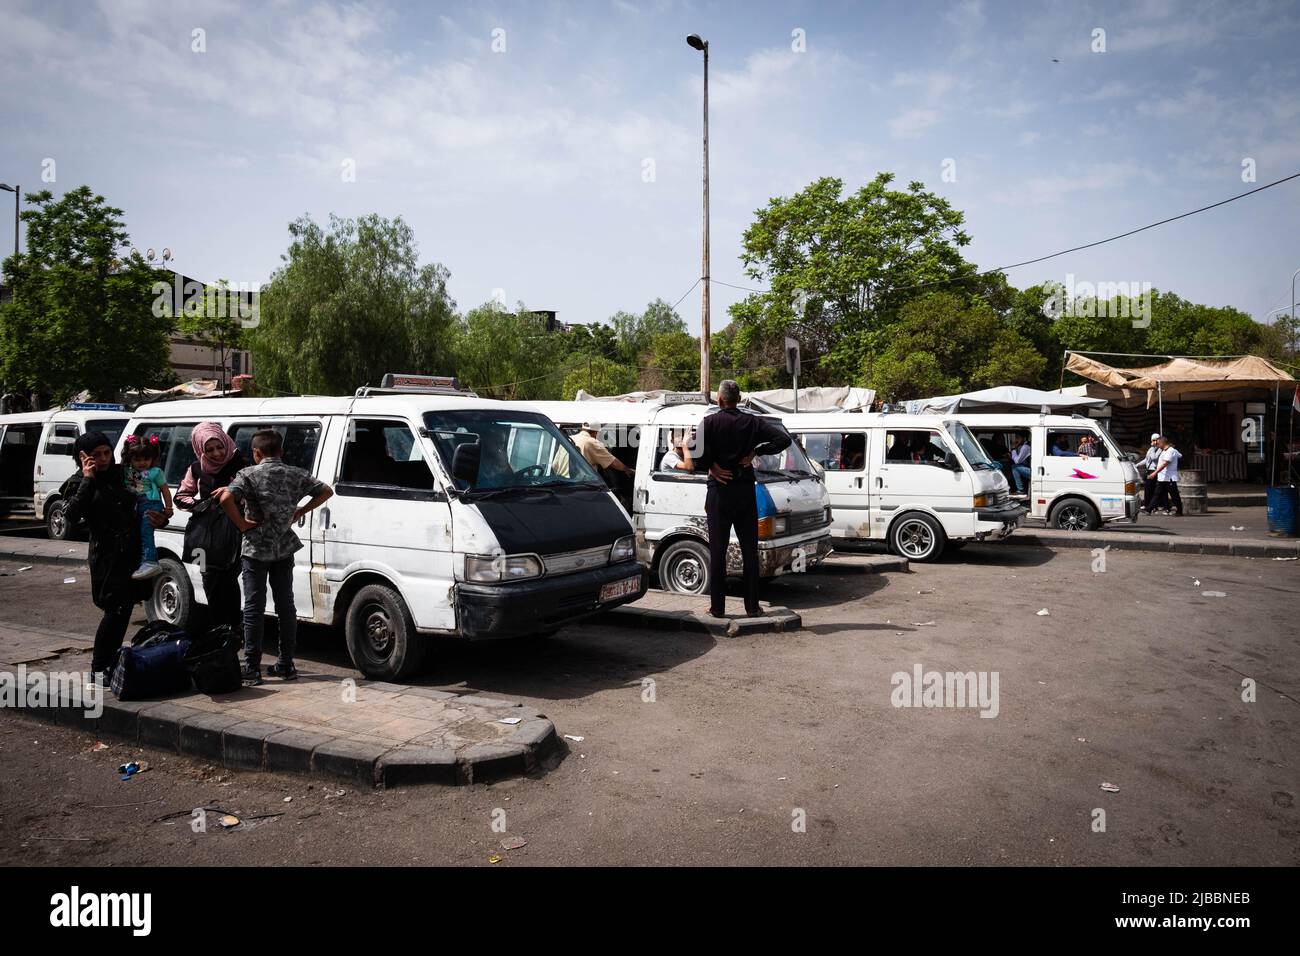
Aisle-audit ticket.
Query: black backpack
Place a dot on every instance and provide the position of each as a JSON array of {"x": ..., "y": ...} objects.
[
  {"x": 211, "y": 539},
  {"x": 213, "y": 661}
]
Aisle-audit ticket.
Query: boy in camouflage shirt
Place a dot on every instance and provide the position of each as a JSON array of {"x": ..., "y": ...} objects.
[{"x": 269, "y": 492}]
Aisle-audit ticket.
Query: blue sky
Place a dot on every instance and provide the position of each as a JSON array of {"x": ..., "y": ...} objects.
[{"x": 523, "y": 169}]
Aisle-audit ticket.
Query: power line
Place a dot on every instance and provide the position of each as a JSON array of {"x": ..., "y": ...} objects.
[{"x": 688, "y": 292}]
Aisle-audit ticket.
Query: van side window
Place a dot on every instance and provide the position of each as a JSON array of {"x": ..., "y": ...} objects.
[
  {"x": 61, "y": 440},
  {"x": 668, "y": 451},
  {"x": 174, "y": 451},
  {"x": 836, "y": 451},
  {"x": 300, "y": 441},
  {"x": 1071, "y": 442},
  {"x": 111, "y": 428},
  {"x": 384, "y": 452},
  {"x": 914, "y": 447}
]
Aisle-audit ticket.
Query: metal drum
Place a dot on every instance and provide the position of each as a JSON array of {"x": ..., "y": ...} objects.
[{"x": 1191, "y": 486}]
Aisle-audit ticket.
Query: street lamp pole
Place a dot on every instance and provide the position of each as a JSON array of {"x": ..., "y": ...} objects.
[
  {"x": 17, "y": 200},
  {"x": 703, "y": 46}
]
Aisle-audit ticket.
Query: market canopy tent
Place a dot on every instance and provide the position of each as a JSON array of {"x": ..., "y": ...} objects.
[
  {"x": 1004, "y": 398},
  {"x": 1191, "y": 379}
]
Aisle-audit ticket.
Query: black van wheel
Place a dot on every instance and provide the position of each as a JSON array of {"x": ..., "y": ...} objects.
[
  {"x": 172, "y": 597},
  {"x": 57, "y": 525},
  {"x": 684, "y": 568},
  {"x": 917, "y": 537},
  {"x": 1074, "y": 515},
  {"x": 381, "y": 634}
]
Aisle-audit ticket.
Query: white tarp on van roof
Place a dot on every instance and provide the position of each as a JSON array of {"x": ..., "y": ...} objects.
[
  {"x": 1004, "y": 398},
  {"x": 819, "y": 398}
]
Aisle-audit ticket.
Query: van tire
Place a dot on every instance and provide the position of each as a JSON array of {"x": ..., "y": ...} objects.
[
  {"x": 57, "y": 525},
  {"x": 381, "y": 635},
  {"x": 1074, "y": 514},
  {"x": 917, "y": 537},
  {"x": 684, "y": 568},
  {"x": 171, "y": 596}
]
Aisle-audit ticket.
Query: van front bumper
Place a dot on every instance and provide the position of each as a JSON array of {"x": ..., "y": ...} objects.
[
  {"x": 774, "y": 559},
  {"x": 998, "y": 522},
  {"x": 492, "y": 611}
]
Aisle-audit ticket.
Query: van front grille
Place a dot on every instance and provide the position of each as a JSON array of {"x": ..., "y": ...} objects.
[{"x": 570, "y": 561}]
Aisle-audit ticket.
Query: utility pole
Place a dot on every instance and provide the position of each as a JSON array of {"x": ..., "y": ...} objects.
[{"x": 703, "y": 46}]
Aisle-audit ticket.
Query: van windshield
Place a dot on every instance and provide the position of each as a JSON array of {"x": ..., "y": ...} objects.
[
  {"x": 970, "y": 448},
  {"x": 787, "y": 465},
  {"x": 517, "y": 451}
]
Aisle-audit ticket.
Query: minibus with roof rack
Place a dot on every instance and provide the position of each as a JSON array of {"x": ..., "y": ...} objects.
[
  {"x": 920, "y": 483},
  {"x": 447, "y": 519}
]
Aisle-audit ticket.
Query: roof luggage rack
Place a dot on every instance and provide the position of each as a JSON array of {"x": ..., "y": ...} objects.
[{"x": 401, "y": 383}]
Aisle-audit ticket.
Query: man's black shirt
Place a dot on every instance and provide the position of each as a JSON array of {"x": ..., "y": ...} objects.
[{"x": 728, "y": 435}]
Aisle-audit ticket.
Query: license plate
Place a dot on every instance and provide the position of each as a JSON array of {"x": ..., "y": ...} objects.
[{"x": 618, "y": 589}]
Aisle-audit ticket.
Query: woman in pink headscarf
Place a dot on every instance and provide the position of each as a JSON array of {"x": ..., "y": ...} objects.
[{"x": 218, "y": 461}]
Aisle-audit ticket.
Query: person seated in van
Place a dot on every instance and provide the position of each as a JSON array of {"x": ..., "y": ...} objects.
[
  {"x": 145, "y": 480},
  {"x": 677, "y": 457},
  {"x": 593, "y": 450},
  {"x": 269, "y": 492},
  {"x": 1061, "y": 447},
  {"x": 368, "y": 460},
  {"x": 904, "y": 448},
  {"x": 1088, "y": 447},
  {"x": 1020, "y": 471},
  {"x": 853, "y": 452}
]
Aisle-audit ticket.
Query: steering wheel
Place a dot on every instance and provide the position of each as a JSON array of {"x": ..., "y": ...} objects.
[{"x": 532, "y": 471}]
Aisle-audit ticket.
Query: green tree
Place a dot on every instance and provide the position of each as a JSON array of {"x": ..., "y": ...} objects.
[
  {"x": 348, "y": 305},
  {"x": 943, "y": 343},
  {"x": 599, "y": 376},
  {"x": 510, "y": 355},
  {"x": 672, "y": 361},
  {"x": 81, "y": 316},
  {"x": 839, "y": 267},
  {"x": 634, "y": 332}
]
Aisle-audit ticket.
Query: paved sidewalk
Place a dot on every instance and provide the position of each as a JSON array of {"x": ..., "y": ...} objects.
[{"x": 370, "y": 732}]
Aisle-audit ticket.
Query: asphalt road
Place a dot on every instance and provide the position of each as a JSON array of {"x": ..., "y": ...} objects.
[{"x": 1134, "y": 678}]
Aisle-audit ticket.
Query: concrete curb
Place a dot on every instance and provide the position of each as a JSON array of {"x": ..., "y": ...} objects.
[
  {"x": 239, "y": 743},
  {"x": 1162, "y": 544},
  {"x": 35, "y": 555},
  {"x": 776, "y": 619}
]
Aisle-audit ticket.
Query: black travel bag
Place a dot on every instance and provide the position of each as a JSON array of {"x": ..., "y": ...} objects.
[{"x": 213, "y": 661}]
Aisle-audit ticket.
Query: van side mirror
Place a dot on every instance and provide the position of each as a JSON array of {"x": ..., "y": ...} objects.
[{"x": 465, "y": 461}]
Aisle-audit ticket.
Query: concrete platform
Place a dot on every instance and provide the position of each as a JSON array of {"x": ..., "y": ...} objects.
[
  {"x": 369, "y": 732},
  {"x": 667, "y": 610}
]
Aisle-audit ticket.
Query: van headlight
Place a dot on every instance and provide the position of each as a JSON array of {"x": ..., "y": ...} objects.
[
  {"x": 624, "y": 549},
  {"x": 983, "y": 501},
  {"x": 493, "y": 569},
  {"x": 773, "y": 526}
]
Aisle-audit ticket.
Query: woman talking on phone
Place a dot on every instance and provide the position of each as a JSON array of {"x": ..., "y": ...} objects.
[{"x": 108, "y": 509}]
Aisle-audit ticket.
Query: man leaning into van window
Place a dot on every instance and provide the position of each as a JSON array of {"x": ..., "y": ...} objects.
[
  {"x": 592, "y": 449},
  {"x": 269, "y": 492},
  {"x": 729, "y": 441}
]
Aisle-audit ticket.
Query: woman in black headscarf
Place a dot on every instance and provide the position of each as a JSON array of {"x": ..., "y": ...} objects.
[{"x": 108, "y": 508}]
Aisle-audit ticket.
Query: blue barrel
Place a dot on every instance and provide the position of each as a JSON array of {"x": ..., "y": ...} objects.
[{"x": 1282, "y": 510}]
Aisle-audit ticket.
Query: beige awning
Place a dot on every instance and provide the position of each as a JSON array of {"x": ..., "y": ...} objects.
[{"x": 1184, "y": 378}]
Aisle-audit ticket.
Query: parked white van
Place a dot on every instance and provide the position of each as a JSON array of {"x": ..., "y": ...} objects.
[
  {"x": 667, "y": 505},
  {"x": 1078, "y": 477},
  {"x": 36, "y": 458},
  {"x": 919, "y": 482},
  {"x": 441, "y": 524}
]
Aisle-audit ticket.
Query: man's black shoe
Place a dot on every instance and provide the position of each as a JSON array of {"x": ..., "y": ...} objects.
[{"x": 283, "y": 671}]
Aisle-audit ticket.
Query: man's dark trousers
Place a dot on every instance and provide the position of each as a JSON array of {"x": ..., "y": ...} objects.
[{"x": 728, "y": 507}]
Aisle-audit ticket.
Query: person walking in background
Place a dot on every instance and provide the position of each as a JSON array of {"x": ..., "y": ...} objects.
[
  {"x": 269, "y": 492},
  {"x": 145, "y": 480},
  {"x": 217, "y": 461},
  {"x": 1021, "y": 451},
  {"x": 1166, "y": 476},
  {"x": 109, "y": 510},
  {"x": 1149, "y": 464},
  {"x": 729, "y": 440}
]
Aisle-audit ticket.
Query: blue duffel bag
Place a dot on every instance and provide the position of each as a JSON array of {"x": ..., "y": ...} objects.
[{"x": 153, "y": 665}]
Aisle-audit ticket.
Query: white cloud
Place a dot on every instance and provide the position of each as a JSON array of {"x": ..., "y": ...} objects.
[{"x": 912, "y": 123}]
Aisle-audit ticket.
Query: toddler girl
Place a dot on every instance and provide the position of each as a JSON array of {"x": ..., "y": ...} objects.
[{"x": 145, "y": 480}]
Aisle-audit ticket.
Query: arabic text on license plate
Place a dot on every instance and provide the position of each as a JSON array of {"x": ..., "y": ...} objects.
[{"x": 617, "y": 589}]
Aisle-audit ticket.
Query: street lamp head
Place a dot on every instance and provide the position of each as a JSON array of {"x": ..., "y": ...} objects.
[
  {"x": 695, "y": 41},
  {"x": 7, "y": 188}
]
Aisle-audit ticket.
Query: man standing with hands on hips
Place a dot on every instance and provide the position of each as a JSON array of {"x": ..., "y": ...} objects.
[{"x": 729, "y": 439}]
